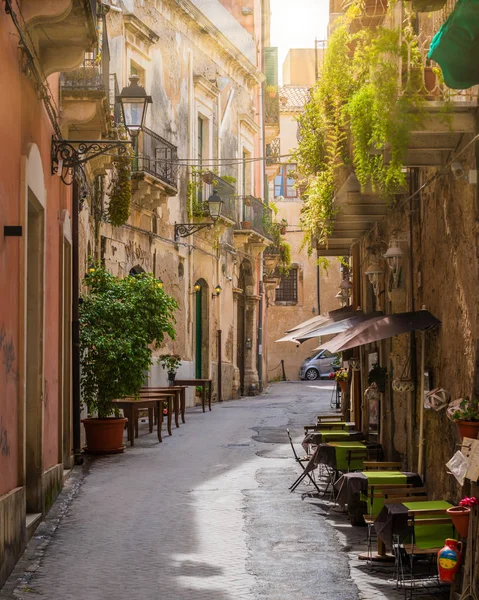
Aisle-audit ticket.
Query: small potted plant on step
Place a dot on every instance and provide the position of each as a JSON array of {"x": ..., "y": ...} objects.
[
  {"x": 121, "y": 319},
  {"x": 170, "y": 362},
  {"x": 467, "y": 417}
]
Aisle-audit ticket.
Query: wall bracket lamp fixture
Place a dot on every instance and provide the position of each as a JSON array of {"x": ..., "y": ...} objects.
[
  {"x": 215, "y": 204},
  {"x": 69, "y": 156}
]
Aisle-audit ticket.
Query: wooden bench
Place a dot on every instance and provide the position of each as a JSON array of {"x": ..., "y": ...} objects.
[
  {"x": 373, "y": 465},
  {"x": 203, "y": 383}
]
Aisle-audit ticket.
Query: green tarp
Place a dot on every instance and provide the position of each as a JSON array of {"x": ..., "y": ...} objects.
[{"x": 455, "y": 47}]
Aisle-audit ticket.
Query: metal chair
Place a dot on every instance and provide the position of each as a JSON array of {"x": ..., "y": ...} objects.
[{"x": 300, "y": 460}]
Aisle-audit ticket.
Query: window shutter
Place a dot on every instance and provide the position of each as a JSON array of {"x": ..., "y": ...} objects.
[{"x": 271, "y": 66}]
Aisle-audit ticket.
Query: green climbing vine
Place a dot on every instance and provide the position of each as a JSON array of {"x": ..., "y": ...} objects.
[
  {"x": 359, "y": 117},
  {"x": 120, "y": 191}
]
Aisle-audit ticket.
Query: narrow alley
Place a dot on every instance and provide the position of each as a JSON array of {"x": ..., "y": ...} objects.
[{"x": 207, "y": 514}]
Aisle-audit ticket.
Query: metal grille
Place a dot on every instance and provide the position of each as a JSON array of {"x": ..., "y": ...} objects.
[{"x": 287, "y": 291}]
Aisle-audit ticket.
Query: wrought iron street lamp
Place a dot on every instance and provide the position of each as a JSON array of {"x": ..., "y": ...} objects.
[
  {"x": 373, "y": 272},
  {"x": 68, "y": 156},
  {"x": 215, "y": 204},
  {"x": 134, "y": 105},
  {"x": 217, "y": 292}
]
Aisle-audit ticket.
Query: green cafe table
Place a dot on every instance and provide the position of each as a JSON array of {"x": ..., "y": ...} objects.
[
  {"x": 330, "y": 435},
  {"x": 393, "y": 521},
  {"x": 352, "y": 489},
  {"x": 335, "y": 456}
]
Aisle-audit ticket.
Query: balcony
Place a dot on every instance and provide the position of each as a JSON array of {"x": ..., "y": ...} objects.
[
  {"x": 273, "y": 158},
  {"x": 60, "y": 31},
  {"x": 206, "y": 183},
  {"x": 271, "y": 117},
  {"x": 85, "y": 94},
  {"x": 155, "y": 169},
  {"x": 254, "y": 228}
]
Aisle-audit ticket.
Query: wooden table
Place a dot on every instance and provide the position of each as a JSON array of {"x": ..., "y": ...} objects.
[
  {"x": 179, "y": 399},
  {"x": 201, "y": 383},
  {"x": 345, "y": 425},
  {"x": 131, "y": 405}
]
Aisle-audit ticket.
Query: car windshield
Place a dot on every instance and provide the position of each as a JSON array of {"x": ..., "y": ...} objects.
[{"x": 312, "y": 356}]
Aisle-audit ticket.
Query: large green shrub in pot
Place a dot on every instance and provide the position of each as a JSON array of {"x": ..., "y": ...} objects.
[{"x": 121, "y": 320}]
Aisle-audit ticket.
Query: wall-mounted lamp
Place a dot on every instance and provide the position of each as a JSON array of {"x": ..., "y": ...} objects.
[
  {"x": 196, "y": 288},
  {"x": 215, "y": 204},
  {"x": 394, "y": 256},
  {"x": 373, "y": 272},
  {"x": 343, "y": 298},
  {"x": 217, "y": 291}
]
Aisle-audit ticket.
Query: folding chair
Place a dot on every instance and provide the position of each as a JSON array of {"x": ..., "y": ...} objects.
[
  {"x": 413, "y": 549},
  {"x": 300, "y": 461}
]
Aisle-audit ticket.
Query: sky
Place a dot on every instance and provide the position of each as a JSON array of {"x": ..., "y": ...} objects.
[{"x": 295, "y": 24}]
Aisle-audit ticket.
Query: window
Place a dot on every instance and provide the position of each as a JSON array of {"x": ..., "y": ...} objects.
[
  {"x": 284, "y": 183},
  {"x": 287, "y": 291},
  {"x": 135, "y": 69}
]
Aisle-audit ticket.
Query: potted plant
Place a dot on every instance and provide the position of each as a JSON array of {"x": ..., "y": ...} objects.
[
  {"x": 271, "y": 90},
  {"x": 121, "y": 320},
  {"x": 284, "y": 257},
  {"x": 467, "y": 417},
  {"x": 341, "y": 377},
  {"x": 460, "y": 514},
  {"x": 245, "y": 224},
  {"x": 378, "y": 376},
  {"x": 283, "y": 224},
  {"x": 170, "y": 362}
]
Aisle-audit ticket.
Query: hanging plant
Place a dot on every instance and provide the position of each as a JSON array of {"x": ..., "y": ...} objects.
[
  {"x": 362, "y": 108},
  {"x": 120, "y": 192}
]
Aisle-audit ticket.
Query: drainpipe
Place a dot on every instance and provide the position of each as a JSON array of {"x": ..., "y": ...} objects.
[
  {"x": 76, "y": 402},
  {"x": 260, "y": 333},
  {"x": 318, "y": 282}
]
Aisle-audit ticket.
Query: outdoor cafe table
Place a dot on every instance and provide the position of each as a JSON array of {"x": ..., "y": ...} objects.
[
  {"x": 328, "y": 425},
  {"x": 130, "y": 405},
  {"x": 351, "y": 486},
  {"x": 393, "y": 520},
  {"x": 203, "y": 383},
  {"x": 335, "y": 456},
  {"x": 180, "y": 398},
  {"x": 330, "y": 435}
]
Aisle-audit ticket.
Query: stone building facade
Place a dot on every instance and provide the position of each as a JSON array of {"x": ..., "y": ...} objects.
[
  {"x": 308, "y": 289},
  {"x": 202, "y": 68}
]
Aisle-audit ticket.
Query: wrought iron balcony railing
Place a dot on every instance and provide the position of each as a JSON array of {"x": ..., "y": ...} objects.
[
  {"x": 273, "y": 152},
  {"x": 157, "y": 157},
  {"x": 94, "y": 73},
  {"x": 114, "y": 89},
  {"x": 256, "y": 216},
  {"x": 206, "y": 182},
  {"x": 271, "y": 110}
]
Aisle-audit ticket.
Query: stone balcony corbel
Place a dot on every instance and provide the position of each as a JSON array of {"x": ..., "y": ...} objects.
[{"x": 61, "y": 31}]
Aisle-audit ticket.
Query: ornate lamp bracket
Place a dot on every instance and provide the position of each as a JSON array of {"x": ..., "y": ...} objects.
[
  {"x": 187, "y": 229},
  {"x": 69, "y": 156}
]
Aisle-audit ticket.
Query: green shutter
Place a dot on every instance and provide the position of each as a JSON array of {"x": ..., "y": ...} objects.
[{"x": 271, "y": 66}]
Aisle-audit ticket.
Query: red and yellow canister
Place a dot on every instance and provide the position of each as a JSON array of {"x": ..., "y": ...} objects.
[{"x": 449, "y": 560}]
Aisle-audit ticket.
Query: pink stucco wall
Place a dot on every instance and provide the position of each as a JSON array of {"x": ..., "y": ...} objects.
[{"x": 25, "y": 122}]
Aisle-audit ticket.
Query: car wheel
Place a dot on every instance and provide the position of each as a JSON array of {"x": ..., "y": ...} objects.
[{"x": 311, "y": 374}]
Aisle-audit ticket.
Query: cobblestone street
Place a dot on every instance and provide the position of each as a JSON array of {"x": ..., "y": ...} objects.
[{"x": 207, "y": 515}]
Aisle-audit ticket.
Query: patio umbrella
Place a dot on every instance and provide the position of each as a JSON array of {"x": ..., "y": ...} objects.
[
  {"x": 334, "y": 316},
  {"x": 377, "y": 329}
]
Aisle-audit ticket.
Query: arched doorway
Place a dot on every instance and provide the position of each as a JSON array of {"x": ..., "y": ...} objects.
[
  {"x": 201, "y": 323},
  {"x": 244, "y": 343},
  {"x": 136, "y": 270}
]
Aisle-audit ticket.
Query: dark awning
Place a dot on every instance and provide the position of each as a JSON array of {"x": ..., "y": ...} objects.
[
  {"x": 456, "y": 46},
  {"x": 343, "y": 325},
  {"x": 381, "y": 328}
]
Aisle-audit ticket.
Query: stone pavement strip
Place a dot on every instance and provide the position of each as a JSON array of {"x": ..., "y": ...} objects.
[{"x": 205, "y": 515}]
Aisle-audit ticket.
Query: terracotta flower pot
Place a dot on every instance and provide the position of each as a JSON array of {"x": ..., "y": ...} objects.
[
  {"x": 245, "y": 224},
  {"x": 104, "y": 436},
  {"x": 343, "y": 385},
  {"x": 468, "y": 429},
  {"x": 460, "y": 518}
]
